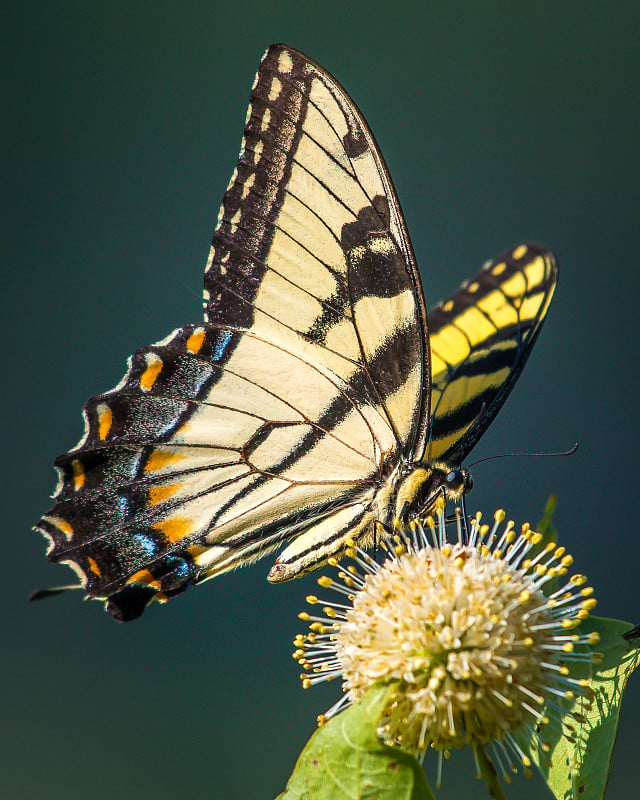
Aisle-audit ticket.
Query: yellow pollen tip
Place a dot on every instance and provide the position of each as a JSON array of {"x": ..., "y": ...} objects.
[
  {"x": 325, "y": 581},
  {"x": 567, "y": 647},
  {"x": 333, "y": 561},
  {"x": 589, "y": 604},
  {"x": 528, "y": 641},
  {"x": 564, "y": 671},
  {"x": 594, "y": 638},
  {"x": 500, "y": 515},
  {"x": 311, "y": 599},
  {"x": 304, "y": 616},
  {"x": 459, "y": 562},
  {"x": 525, "y": 596},
  {"x": 567, "y": 561},
  {"x": 541, "y": 569},
  {"x": 587, "y": 591},
  {"x": 536, "y": 538},
  {"x": 306, "y": 683}
]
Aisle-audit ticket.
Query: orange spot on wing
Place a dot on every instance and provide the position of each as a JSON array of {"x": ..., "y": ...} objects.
[
  {"x": 174, "y": 528},
  {"x": 195, "y": 341},
  {"x": 149, "y": 376},
  {"x": 145, "y": 577},
  {"x": 105, "y": 420},
  {"x": 196, "y": 550},
  {"x": 93, "y": 566},
  {"x": 159, "y": 459},
  {"x": 159, "y": 493},
  {"x": 78, "y": 474},
  {"x": 62, "y": 525}
]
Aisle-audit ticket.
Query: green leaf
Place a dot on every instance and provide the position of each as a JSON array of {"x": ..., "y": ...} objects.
[
  {"x": 580, "y": 770},
  {"x": 549, "y": 534},
  {"x": 488, "y": 772},
  {"x": 546, "y": 526},
  {"x": 344, "y": 760}
]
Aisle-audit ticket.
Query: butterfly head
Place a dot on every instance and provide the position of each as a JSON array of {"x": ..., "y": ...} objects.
[{"x": 422, "y": 485}]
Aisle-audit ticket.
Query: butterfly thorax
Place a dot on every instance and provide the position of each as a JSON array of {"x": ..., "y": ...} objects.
[{"x": 412, "y": 489}]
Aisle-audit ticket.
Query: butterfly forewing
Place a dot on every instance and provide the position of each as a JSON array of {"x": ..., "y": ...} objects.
[{"x": 311, "y": 250}]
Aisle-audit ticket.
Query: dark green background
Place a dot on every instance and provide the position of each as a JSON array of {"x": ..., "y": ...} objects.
[{"x": 500, "y": 122}]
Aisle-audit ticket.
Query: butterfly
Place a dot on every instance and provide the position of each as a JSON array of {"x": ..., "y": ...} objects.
[{"x": 318, "y": 398}]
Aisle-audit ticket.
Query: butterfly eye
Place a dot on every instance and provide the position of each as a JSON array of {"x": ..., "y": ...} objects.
[{"x": 455, "y": 480}]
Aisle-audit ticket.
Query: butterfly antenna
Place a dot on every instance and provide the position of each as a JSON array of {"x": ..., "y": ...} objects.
[{"x": 569, "y": 452}]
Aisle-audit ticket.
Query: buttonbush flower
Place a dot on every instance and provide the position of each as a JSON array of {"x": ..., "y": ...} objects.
[{"x": 475, "y": 635}]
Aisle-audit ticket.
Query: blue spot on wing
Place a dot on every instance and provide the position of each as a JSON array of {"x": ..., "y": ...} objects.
[
  {"x": 146, "y": 543},
  {"x": 178, "y": 566},
  {"x": 221, "y": 345}
]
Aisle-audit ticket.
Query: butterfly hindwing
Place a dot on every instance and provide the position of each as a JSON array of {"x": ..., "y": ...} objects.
[{"x": 480, "y": 340}]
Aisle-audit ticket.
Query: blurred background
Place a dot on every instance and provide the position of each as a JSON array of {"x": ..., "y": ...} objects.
[{"x": 500, "y": 123}]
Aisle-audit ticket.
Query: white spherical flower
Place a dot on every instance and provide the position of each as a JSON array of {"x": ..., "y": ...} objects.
[{"x": 474, "y": 646}]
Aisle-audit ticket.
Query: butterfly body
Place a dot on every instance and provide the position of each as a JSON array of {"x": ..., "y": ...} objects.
[{"x": 318, "y": 397}]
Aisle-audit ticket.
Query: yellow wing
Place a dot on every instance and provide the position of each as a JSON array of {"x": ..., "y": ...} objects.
[{"x": 480, "y": 340}]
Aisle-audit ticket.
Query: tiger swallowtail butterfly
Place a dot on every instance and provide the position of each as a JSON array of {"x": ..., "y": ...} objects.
[{"x": 318, "y": 397}]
